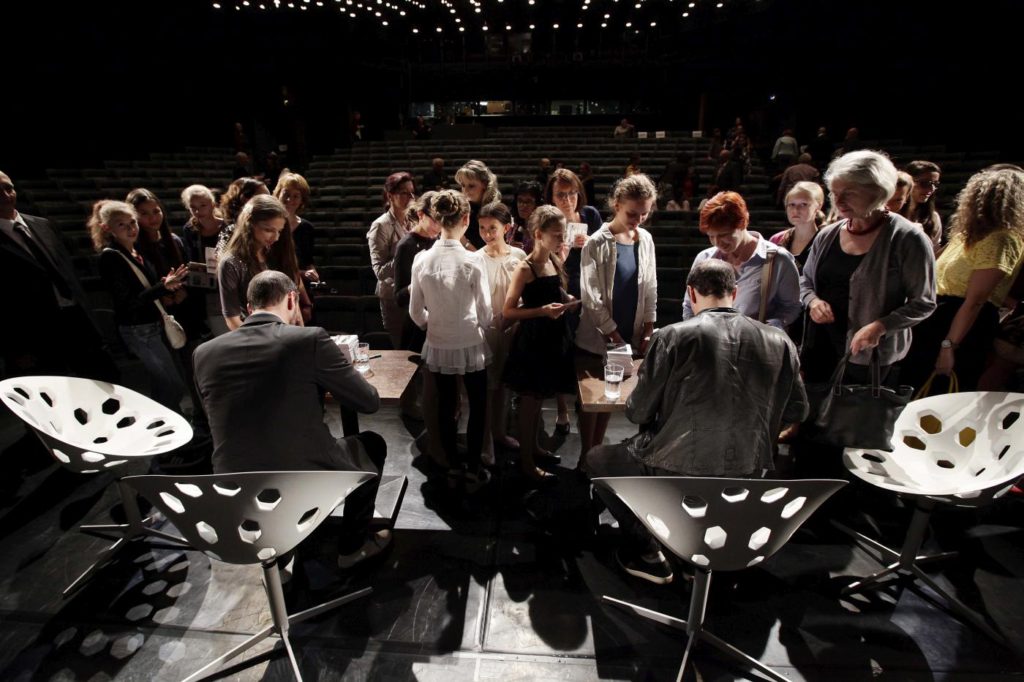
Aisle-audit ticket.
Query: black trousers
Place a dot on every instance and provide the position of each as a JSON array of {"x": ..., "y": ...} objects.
[
  {"x": 447, "y": 406},
  {"x": 371, "y": 451},
  {"x": 616, "y": 460}
]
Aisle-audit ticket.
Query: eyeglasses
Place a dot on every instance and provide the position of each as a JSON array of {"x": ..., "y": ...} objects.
[
  {"x": 407, "y": 195},
  {"x": 526, "y": 200},
  {"x": 927, "y": 183},
  {"x": 562, "y": 196}
]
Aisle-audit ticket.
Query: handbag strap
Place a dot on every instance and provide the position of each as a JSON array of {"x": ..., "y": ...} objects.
[
  {"x": 142, "y": 278},
  {"x": 926, "y": 387},
  {"x": 875, "y": 368},
  {"x": 766, "y": 282}
]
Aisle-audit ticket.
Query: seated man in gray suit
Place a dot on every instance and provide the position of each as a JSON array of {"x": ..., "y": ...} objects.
[
  {"x": 262, "y": 386},
  {"x": 711, "y": 398}
]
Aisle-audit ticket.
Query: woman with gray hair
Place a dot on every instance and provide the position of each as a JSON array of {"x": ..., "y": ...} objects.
[{"x": 869, "y": 278}]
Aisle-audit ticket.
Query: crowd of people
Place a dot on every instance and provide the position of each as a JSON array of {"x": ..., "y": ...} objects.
[{"x": 513, "y": 299}]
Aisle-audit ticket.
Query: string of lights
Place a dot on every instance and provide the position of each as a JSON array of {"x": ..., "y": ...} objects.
[{"x": 442, "y": 16}]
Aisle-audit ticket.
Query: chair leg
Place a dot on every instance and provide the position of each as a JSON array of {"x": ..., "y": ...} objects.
[
  {"x": 885, "y": 552},
  {"x": 662, "y": 618},
  {"x": 106, "y": 555},
  {"x": 958, "y": 607},
  {"x": 736, "y": 654},
  {"x": 216, "y": 663},
  {"x": 291, "y": 657},
  {"x": 872, "y": 581},
  {"x": 686, "y": 657},
  {"x": 327, "y": 606}
]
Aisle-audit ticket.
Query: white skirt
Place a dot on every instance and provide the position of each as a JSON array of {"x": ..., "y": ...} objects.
[{"x": 456, "y": 360}]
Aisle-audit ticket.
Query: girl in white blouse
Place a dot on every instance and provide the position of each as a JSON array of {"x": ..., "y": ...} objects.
[
  {"x": 449, "y": 296},
  {"x": 499, "y": 261}
]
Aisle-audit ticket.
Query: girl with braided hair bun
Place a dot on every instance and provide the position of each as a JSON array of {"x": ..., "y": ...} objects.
[{"x": 449, "y": 297}]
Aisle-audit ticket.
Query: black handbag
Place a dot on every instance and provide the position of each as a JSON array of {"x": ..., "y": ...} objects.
[{"x": 855, "y": 416}]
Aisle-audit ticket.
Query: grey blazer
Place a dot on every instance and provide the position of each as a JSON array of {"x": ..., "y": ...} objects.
[
  {"x": 262, "y": 386},
  {"x": 895, "y": 284}
]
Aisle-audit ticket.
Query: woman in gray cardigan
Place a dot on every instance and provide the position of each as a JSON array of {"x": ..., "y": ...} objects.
[{"x": 869, "y": 277}]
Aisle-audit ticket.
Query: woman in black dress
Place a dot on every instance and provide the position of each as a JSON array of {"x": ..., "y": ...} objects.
[{"x": 540, "y": 362}]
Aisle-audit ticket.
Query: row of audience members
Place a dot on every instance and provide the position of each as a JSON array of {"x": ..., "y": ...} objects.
[{"x": 523, "y": 315}]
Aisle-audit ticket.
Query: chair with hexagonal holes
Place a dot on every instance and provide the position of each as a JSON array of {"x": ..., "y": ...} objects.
[
  {"x": 252, "y": 518},
  {"x": 962, "y": 449},
  {"x": 90, "y": 427},
  {"x": 717, "y": 524}
]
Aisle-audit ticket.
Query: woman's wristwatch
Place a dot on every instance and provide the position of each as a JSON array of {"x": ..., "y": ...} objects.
[{"x": 946, "y": 343}]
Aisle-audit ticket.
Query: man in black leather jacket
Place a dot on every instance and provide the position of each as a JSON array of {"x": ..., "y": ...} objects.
[{"x": 711, "y": 398}]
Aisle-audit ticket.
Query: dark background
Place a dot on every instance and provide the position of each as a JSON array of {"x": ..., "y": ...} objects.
[{"x": 89, "y": 81}]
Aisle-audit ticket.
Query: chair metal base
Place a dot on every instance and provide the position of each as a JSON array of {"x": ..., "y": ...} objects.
[
  {"x": 906, "y": 563},
  {"x": 694, "y": 627},
  {"x": 121, "y": 533},
  {"x": 281, "y": 621}
]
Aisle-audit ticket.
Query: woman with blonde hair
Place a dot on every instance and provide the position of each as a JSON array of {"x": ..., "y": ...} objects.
[
  {"x": 136, "y": 290},
  {"x": 480, "y": 186},
  {"x": 973, "y": 277},
  {"x": 293, "y": 191},
  {"x": 620, "y": 288},
  {"x": 804, "y": 202}
]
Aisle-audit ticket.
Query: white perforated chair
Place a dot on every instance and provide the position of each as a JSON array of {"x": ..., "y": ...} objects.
[
  {"x": 252, "y": 518},
  {"x": 962, "y": 449},
  {"x": 717, "y": 524},
  {"x": 92, "y": 426}
]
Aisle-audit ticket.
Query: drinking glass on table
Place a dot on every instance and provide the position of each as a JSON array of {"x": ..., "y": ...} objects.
[
  {"x": 613, "y": 381},
  {"x": 363, "y": 358}
]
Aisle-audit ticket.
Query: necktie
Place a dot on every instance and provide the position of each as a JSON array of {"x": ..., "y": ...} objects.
[{"x": 58, "y": 279}]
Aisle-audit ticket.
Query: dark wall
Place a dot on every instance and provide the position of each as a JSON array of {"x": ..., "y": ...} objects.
[{"x": 115, "y": 79}]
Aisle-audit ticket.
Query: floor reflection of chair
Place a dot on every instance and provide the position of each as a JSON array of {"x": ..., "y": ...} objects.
[
  {"x": 717, "y": 524},
  {"x": 91, "y": 426},
  {"x": 963, "y": 449},
  {"x": 253, "y": 518}
]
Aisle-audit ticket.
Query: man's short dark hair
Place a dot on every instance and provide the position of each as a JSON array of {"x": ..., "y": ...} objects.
[
  {"x": 269, "y": 288},
  {"x": 712, "y": 277}
]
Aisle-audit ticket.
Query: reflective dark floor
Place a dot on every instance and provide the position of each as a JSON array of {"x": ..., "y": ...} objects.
[{"x": 506, "y": 588}]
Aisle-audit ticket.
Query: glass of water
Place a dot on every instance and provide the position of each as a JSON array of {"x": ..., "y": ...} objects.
[
  {"x": 363, "y": 358},
  {"x": 613, "y": 381}
]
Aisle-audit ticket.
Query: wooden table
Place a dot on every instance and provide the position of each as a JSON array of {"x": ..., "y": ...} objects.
[
  {"x": 590, "y": 378},
  {"x": 390, "y": 374}
]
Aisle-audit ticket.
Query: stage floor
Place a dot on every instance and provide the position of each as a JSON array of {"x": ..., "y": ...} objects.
[{"x": 507, "y": 588}]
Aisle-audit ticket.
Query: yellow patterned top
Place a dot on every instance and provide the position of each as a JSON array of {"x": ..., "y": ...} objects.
[{"x": 1002, "y": 250}]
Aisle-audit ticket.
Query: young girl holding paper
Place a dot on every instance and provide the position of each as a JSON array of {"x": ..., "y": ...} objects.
[{"x": 619, "y": 286}]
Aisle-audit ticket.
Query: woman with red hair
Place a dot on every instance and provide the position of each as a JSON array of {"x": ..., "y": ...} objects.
[{"x": 766, "y": 275}]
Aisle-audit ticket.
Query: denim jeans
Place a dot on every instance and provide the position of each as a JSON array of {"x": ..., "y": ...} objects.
[{"x": 146, "y": 342}]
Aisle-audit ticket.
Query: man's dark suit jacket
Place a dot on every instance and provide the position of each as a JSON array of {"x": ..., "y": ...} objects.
[
  {"x": 262, "y": 387},
  {"x": 37, "y": 341}
]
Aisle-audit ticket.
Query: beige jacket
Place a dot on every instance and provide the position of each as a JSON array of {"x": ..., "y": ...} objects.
[
  {"x": 383, "y": 237},
  {"x": 596, "y": 282}
]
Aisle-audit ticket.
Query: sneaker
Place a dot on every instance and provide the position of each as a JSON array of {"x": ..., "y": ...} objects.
[
  {"x": 652, "y": 567},
  {"x": 374, "y": 545}
]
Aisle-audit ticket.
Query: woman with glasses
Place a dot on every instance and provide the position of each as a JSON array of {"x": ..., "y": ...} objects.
[
  {"x": 383, "y": 237},
  {"x": 920, "y": 208},
  {"x": 529, "y": 195}
]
